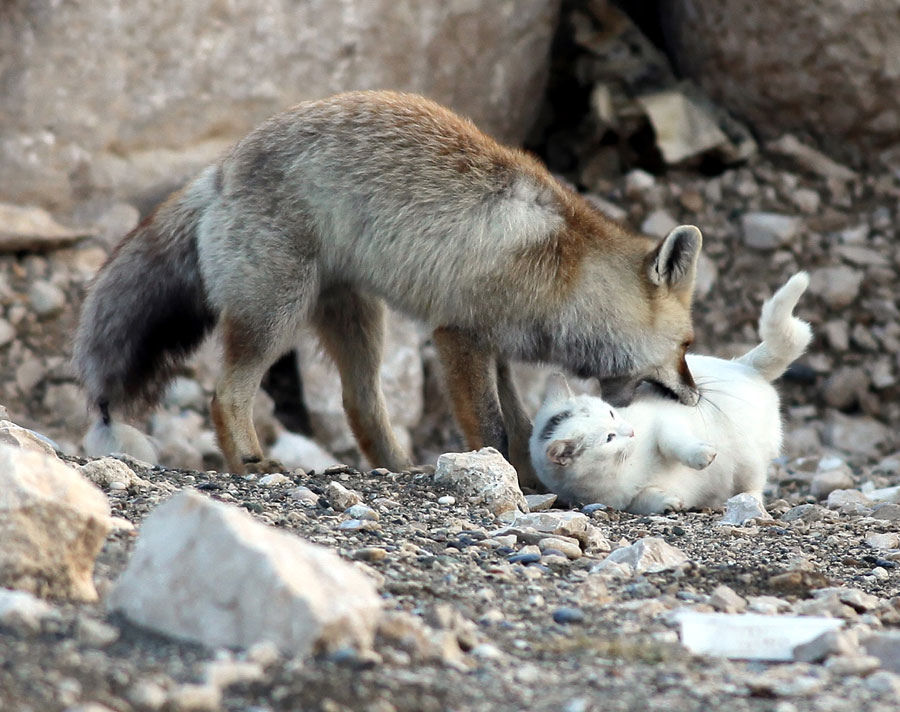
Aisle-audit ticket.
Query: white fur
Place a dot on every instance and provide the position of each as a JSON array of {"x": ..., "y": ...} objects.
[
  {"x": 679, "y": 456},
  {"x": 119, "y": 438}
]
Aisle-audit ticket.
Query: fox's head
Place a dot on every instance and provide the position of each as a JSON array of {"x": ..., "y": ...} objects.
[{"x": 640, "y": 318}]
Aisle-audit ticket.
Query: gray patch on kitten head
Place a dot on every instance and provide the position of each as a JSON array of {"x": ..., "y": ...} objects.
[{"x": 553, "y": 422}]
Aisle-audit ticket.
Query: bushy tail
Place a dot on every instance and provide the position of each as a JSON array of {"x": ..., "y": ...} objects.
[
  {"x": 147, "y": 308},
  {"x": 784, "y": 336}
]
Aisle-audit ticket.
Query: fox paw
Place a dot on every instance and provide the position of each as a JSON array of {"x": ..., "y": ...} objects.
[
  {"x": 264, "y": 467},
  {"x": 702, "y": 457}
]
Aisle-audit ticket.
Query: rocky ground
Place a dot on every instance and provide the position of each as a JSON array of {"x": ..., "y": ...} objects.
[{"x": 521, "y": 629}]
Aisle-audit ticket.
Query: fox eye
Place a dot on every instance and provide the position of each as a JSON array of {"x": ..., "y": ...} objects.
[{"x": 609, "y": 438}]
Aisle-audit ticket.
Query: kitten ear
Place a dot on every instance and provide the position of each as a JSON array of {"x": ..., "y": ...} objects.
[
  {"x": 674, "y": 262},
  {"x": 563, "y": 452},
  {"x": 557, "y": 388}
]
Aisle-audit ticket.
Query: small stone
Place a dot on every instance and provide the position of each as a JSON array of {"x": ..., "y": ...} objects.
[
  {"x": 887, "y": 511},
  {"x": 565, "y": 615},
  {"x": 647, "y": 555},
  {"x": 485, "y": 475},
  {"x": 769, "y": 231},
  {"x": 540, "y": 502},
  {"x": 23, "y": 612},
  {"x": 832, "y": 642},
  {"x": 356, "y": 525},
  {"x": 447, "y": 500},
  {"x": 571, "y": 524},
  {"x": 594, "y": 541},
  {"x": 46, "y": 299},
  {"x": 855, "y": 664},
  {"x": 147, "y": 695},
  {"x": 886, "y": 647},
  {"x": 841, "y": 497},
  {"x": 340, "y": 497},
  {"x": 565, "y": 545},
  {"x": 304, "y": 495},
  {"x": 806, "y": 200},
  {"x": 486, "y": 651},
  {"x": 741, "y": 508},
  {"x": 887, "y": 540},
  {"x": 224, "y": 673},
  {"x": 94, "y": 633},
  {"x": 824, "y": 483},
  {"x": 528, "y": 557},
  {"x": 726, "y": 600},
  {"x": 370, "y": 554},
  {"x": 7, "y": 332},
  {"x": 884, "y": 683},
  {"x": 658, "y": 223},
  {"x": 195, "y": 698},
  {"x": 804, "y": 512},
  {"x": 638, "y": 181},
  {"x": 837, "y": 286},
  {"x": 362, "y": 511},
  {"x": 273, "y": 479}
]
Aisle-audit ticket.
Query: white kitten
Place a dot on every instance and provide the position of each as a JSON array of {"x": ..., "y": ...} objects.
[{"x": 657, "y": 454}]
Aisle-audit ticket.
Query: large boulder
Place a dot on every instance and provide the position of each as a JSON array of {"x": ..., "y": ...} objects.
[
  {"x": 52, "y": 525},
  {"x": 105, "y": 97},
  {"x": 828, "y": 68},
  {"x": 255, "y": 583}
]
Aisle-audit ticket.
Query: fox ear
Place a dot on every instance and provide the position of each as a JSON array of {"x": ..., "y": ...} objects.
[
  {"x": 674, "y": 262},
  {"x": 563, "y": 452},
  {"x": 557, "y": 388}
]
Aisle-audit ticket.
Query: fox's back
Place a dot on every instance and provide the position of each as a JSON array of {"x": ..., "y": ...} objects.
[{"x": 373, "y": 177}]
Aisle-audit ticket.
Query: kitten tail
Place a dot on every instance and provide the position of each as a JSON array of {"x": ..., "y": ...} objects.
[
  {"x": 784, "y": 336},
  {"x": 107, "y": 437}
]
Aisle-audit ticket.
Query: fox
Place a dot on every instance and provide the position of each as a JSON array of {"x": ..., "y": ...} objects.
[
  {"x": 336, "y": 208},
  {"x": 656, "y": 454}
]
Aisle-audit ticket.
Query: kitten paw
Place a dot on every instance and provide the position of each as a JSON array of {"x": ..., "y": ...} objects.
[{"x": 702, "y": 457}]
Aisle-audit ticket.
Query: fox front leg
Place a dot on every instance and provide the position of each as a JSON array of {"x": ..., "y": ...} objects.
[
  {"x": 518, "y": 426},
  {"x": 471, "y": 376}
]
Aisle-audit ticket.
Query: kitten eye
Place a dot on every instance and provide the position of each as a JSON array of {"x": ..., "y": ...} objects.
[
  {"x": 609, "y": 438},
  {"x": 612, "y": 415}
]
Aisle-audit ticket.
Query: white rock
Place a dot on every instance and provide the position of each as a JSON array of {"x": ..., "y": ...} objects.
[
  {"x": 52, "y": 524},
  {"x": 884, "y": 494},
  {"x": 189, "y": 697},
  {"x": 23, "y": 612},
  {"x": 884, "y": 683},
  {"x": 658, "y": 223},
  {"x": 108, "y": 470},
  {"x": 887, "y": 540},
  {"x": 837, "y": 286},
  {"x": 831, "y": 642},
  {"x": 340, "y": 497},
  {"x": 769, "y": 231},
  {"x": 19, "y": 437},
  {"x": 748, "y": 636},
  {"x": 741, "y": 508},
  {"x": 540, "y": 502},
  {"x": 446, "y": 501},
  {"x": 258, "y": 584},
  {"x": 571, "y": 524},
  {"x": 484, "y": 475},
  {"x": 276, "y": 478},
  {"x": 824, "y": 483},
  {"x": 638, "y": 181},
  {"x": 647, "y": 555},
  {"x": 858, "y": 665},
  {"x": 362, "y": 511},
  {"x": 304, "y": 495},
  {"x": 7, "y": 332},
  {"x": 726, "y": 600},
  {"x": 294, "y": 450},
  {"x": 46, "y": 299},
  {"x": 840, "y": 497}
]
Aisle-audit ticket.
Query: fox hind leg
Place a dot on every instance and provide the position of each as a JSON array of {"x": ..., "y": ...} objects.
[
  {"x": 351, "y": 328},
  {"x": 471, "y": 376}
]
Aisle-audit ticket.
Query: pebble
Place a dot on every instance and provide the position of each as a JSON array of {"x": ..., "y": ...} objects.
[
  {"x": 370, "y": 553},
  {"x": 887, "y": 540},
  {"x": 887, "y": 511},
  {"x": 841, "y": 497},
  {"x": 304, "y": 495},
  {"x": 884, "y": 683},
  {"x": 726, "y": 600},
  {"x": 7, "y": 332},
  {"x": 94, "y": 633},
  {"x": 524, "y": 558},
  {"x": 273, "y": 479},
  {"x": 340, "y": 497},
  {"x": 769, "y": 231},
  {"x": 447, "y": 500},
  {"x": 23, "y": 612},
  {"x": 804, "y": 513},
  {"x": 46, "y": 299},
  {"x": 355, "y": 525},
  {"x": 566, "y": 614},
  {"x": 540, "y": 502},
  {"x": 856, "y": 664},
  {"x": 486, "y": 651},
  {"x": 568, "y": 547},
  {"x": 741, "y": 508},
  {"x": 362, "y": 511}
]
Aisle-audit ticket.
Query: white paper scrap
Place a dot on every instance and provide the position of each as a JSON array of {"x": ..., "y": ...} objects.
[{"x": 749, "y": 636}]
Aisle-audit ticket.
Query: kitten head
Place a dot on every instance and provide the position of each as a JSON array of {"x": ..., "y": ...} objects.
[{"x": 568, "y": 427}]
